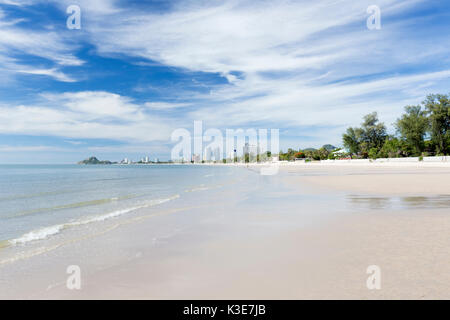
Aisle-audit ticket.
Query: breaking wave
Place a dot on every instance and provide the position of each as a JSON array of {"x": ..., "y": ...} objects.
[{"x": 44, "y": 233}]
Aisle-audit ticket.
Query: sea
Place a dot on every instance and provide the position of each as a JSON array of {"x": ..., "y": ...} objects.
[{"x": 40, "y": 201}]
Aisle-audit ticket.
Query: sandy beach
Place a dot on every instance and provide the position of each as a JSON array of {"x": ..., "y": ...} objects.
[
  {"x": 309, "y": 232},
  {"x": 225, "y": 150},
  {"x": 389, "y": 179}
]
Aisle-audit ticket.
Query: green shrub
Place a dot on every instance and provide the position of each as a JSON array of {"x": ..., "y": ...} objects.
[{"x": 373, "y": 152}]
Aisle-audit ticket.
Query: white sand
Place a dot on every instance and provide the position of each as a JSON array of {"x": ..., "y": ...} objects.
[{"x": 404, "y": 179}]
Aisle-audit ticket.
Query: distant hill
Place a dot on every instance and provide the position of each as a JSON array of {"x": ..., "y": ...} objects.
[
  {"x": 94, "y": 160},
  {"x": 309, "y": 149},
  {"x": 329, "y": 147}
]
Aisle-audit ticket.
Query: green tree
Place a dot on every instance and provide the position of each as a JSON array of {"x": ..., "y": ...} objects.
[
  {"x": 322, "y": 153},
  {"x": 372, "y": 134},
  {"x": 373, "y": 153},
  {"x": 373, "y": 131},
  {"x": 437, "y": 107},
  {"x": 412, "y": 127},
  {"x": 391, "y": 148},
  {"x": 352, "y": 140}
]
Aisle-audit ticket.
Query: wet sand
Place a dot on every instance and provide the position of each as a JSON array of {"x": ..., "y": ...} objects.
[
  {"x": 306, "y": 233},
  {"x": 323, "y": 263}
]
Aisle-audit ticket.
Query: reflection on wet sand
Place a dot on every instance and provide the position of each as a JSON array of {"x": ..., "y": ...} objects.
[{"x": 410, "y": 202}]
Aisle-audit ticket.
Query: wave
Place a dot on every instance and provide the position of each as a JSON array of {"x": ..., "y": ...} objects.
[
  {"x": 44, "y": 233},
  {"x": 201, "y": 187},
  {"x": 37, "y": 234}
]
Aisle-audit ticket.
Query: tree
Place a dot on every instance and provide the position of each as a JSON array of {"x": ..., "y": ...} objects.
[
  {"x": 373, "y": 153},
  {"x": 352, "y": 140},
  {"x": 300, "y": 155},
  {"x": 437, "y": 107},
  {"x": 373, "y": 131},
  {"x": 393, "y": 148},
  {"x": 412, "y": 127},
  {"x": 322, "y": 153},
  {"x": 371, "y": 135}
]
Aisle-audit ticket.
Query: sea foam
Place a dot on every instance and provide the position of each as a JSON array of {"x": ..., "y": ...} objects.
[{"x": 44, "y": 233}]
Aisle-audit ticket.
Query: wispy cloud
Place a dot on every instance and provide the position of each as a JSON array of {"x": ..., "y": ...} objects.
[
  {"x": 17, "y": 43},
  {"x": 53, "y": 72},
  {"x": 9, "y": 148},
  {"x": 165, "y": 105},
  {"x": 87, "y": 115},
  {"x": 301, "y": 62}
]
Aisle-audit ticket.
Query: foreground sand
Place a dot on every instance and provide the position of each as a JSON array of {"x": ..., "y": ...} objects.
[
  {"x": 323, "y": 263},
  {"x": 271, "y": 243}
]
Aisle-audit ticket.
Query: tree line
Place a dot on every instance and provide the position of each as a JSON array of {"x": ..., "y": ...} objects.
[
  {"x": 326, "y": 152},
  {"x": 423, "y": 130}
]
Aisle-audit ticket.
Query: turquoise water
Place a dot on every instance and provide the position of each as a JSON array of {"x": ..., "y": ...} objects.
[{"x": 36, "y": 201}]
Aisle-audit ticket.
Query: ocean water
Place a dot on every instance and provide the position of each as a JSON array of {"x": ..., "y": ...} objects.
[{"x": 40, "y": 201}]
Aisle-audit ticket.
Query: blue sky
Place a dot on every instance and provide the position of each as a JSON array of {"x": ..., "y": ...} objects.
[{"x": 137, "y": 70}]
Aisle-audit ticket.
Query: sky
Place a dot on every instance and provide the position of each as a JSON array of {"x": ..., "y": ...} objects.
[{"x": 136, "y": 71}]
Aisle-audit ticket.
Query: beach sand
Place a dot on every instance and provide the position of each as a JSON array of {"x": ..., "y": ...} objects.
[
  {"x": 376, "y": 179},
  {"x": 309, "y": 232}
]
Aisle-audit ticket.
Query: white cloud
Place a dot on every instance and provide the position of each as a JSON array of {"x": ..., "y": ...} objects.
[
  {"x": 15, "y": 3},
  {"x": 295, "y": 58},
  {"x": 165, "y": 105},
  {"x": 53, "y": 72},
  {"x": 244, "y": 36},
  {"x": 86, "y": 115},
  {"x": 96, "y": 104},
  {"x": 16, "y": 41},
  {"x": 9, "y": 148}
]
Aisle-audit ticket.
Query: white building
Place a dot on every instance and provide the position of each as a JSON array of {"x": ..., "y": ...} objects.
[{"x": 125, "y": 161}]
